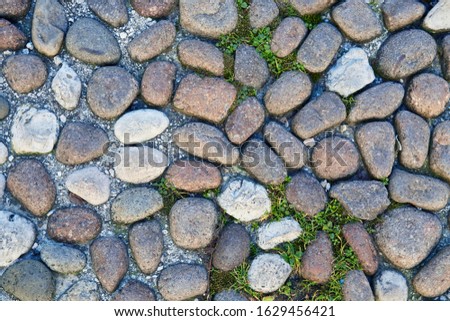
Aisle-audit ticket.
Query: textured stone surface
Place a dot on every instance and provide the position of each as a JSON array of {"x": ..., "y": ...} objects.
[
  {"x": 157, "y": 83},
  {"x": 205, "y": 98},
  {"x": 291, "y": 90},
  {"x": 406, "y": 236},
  {"x": 356, "y": 287},
  {"x": 229, "y": 295},
  {"x": 308, "y": 7},
  {"x": 91, "y": 42},
  {"x": 250, "y": 69},
  {"x": 401, "y": 13},
  {"x": 325, "y": 112},
  {"x": 419, "y": 190},
  {"x": 66, "y": 86},
  {"x": 11, "y": 37},
  {"x": 287, "y": 36},
  {"x": 268, "y": 272},
  {"x": 14, "y": 9},
  {"x": 109, "y": 261},
  {"x": 90, "y": 184},
  {"x": 30, "y": 183},
  {"x": 3, "y": 153},
  {"x": 414, "y": 136},
  {"x": 135, "y": 291},
  {"x": 306, "y": 194},
  {"x": 2, "y": 187},
  {"x": 440, "y": 151},
  {"x": 4, "y": 108},
  {"x": 202, "y": 55},
  {"x": 82, "y": 290},
  {"x": 63, "y": 259},
  {"x": 446, "y": 57},
  {"x": 153, "y": 8},
  {"x": 362, "y": 199},
  {"x": 390, "y": 285},
  {"x": 437, "y": 18},
  {"x": 274, "y": 233},
  {"x": 182, "y": 281},
  {"x": 317, "y": 260},
  {"x": 244, "y": 200},
  {"x": 232, "y": 247},
  {"x": 262, "y": 13},
  {"x": 24, "y": 73},
  {"x": 113, "y": 12}
]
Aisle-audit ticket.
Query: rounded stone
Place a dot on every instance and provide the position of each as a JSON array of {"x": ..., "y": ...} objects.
[
  {"x": 268, "y": 272},
  {"x": 25, "y": 73},
  {"x": 110, "y": 91},
  {"x": 153, "y": 8},
  {"x": 334, "y": 158},
  {"x": 356, "y": 287},
  {"x": 232, "y": 248},
  {"x": 63, "y": 259},
  {"x": 229, "y": 295},
  {"x": 401, "y": 13},
  {"x": 192, "y": 222},
  {"x": 250, "y": 69},
  {"x": 77, "y": 225},
  {"x": 135, "y": 291},
  {"x": 3, "y": 153},
  {"x": 202, "y": 55},
  {"x": 390, "y": 285},
  {"x": 287, "y": 36},
  {"x": 31, "y": 184},
  {"x": 15, "y": 9},
  {"x": 262, "y": 13},
  {"x": 182, "y": 281},
  {"x": 4, "y": 108},
  {"x": 91, "y": 42},
  {"x": 157, "y": 83},
  {"x": 440, "y": 151},
  {"x": 113, "y": 12},
  {"x": 437, "y": 18},
  {"x": 11, "y": 37},
  {"x": 310, "y": 7},
  {"x": 66, "y": 86},
  {"x": 90, "y": 184},
  {"x": 147, "y": 245},
  {"x": 317, "y": 260},
  {"x": 135, "y": 204}
]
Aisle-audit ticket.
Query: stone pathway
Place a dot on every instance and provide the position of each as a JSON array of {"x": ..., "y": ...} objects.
[{"x": 224, "y": 150}]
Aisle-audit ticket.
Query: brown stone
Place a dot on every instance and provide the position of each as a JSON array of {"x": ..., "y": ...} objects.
[
  {"x": 202, "y": 55},
  {"x": 11, "y": 38},
  {"x": 153, "y": 8},
  {"x": 356, "y": 287},
  {"x": 14, "y": 9},
  {"x": 135, "y": 291},
  {"x": 157, "y": 83},
  {"x": 440, "y": 151},
  {"x": 317, "y": 261},
  {"x": 25, "y": 73}
]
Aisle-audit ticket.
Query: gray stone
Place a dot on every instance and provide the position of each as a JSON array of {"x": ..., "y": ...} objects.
[
  {"x": 306, "y": 194},
  {"x": 210, "y": 19},
  {"x": 11, "y": 37},
  {"x": 293, "y": 152},
  {"x": 434, "y": 278},
  {"x": 405, "y": 53},
  {"x": 63, "y": 259},
  {"x": 34, "y": 131},
  {"x": 376, "y": 142},
  {"x": 192, "y": 222},
  {"x": 351, "y": 73},
  {"x": 208, "y": 98},
  {"x": 90, "y": 184},
  {"x": 139, "y": 164},
  {"x": 406, "y": 236},
  {"x": 152, "y": 8},
  {"x": 157, "y": 83},
  {"x": 140, "y": 125},
  {"x": 357, "y": 20},
  {"x": 268, "y": 272},
  {"x": 244, "y": 200},
  {"x": 244, "y": 121},
  {"x": 31, "y": 184},
  {"x": 262, "y": 13},
  {"x": 91, "y": 42},
  {"x": 201, "y": 55},
  {"x": 414, "y": 136},
  {"x": 427, "y": 95},
  {"x": 287, "y": 36},
  {"x": 206, "y": 142},
  {"x": 135, "y": 291},
  {"x": 66, "y": 86},
  {"x": 232, "y": 248},
  {"x": 152, "y": 41},
  {"x": 24, "y": 73},
  {"x": 437, "y": 18},
  {"x": 419, "y": 190},
  {"x": 17, "y": 236},
  {"x": 401, "y": 13},
  {"x": 440, "y": 151},
  {"x": 322, "y": 113},
  {"x": 48, "y": 27},
  {"x": 334, "y": 158},
  {"x": 276, "y": 232},
  {"x": 110, "y": 91},
  {"x": 317, "y": 260},
  {"x": 182, "y": 281},
  {"x": 113, "y": 12},
  {"x": 14, "y": 9},
  {"x": 319, "y": 48},
  {"x": 4, "y": 108},
  {"x": 362, "y": 199},
  {"x": 390, "y": 285},
  {"x": 135, "y": 204},
  {"x": 445, "y": 57},
  {"x": 250, "y": 69},
  {"x": 109, "y": 261},
  {"x": 377, "y": 102},
  {"x": 29, "y": 280},
  {"x": 80, "y": 143},
  {"x": 310, "y": 7},
  {"x": 261, "y": 162},
  {"x": 356, "y": 287},
  {"x": 229, "y": 295},
  {"x": 83, "y": 290},
  {"x": 2, "y": 187},
  {"x": 288, "y": 92},
  {"x": 3, "y": 153},
  {"x": 147, "y": 245}
]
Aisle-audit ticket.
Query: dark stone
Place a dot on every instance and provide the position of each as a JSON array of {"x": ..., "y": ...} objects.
[
  {"x": 356, "y": 287},
  {"x": 135, "y": 291},
  {"x": 232, "y": 248},
  {"x": 182, "y": 281},
  {"x": 317, "y": 260}
]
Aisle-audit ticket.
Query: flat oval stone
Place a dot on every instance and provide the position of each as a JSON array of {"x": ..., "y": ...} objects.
[
  {"x": 356, "y": 287},
  {"x": 274, "y": 233},
  {"x": 262, "y": 13},
  {"x": 232, "y": 247},
  {"x": 77, "y": 225},
  {"x": 140, "y": 125},
  {"x": 153, "y": 8},
  {"x": 287, "y": 36},
  {"x": 63, "y": 259},
  {"x": 250, "y": 68},
  {"x": 11, "y": 37},
  {"x": 437, "y": 18},
  {"x": 401, "y": 13},
  {"x": 25, "y": 73},
  {"x": 113, "y": 12},
  {"x": 90, "y": 184},
  {"x": 268, "y": 272},
  {"x": 317, "y": 260},
  {"x": 229, "y": 295},
  {"x": 91, "y": 42},
  {"x": 182, "y": 281},
  {"x": 202, "y": 55},
  {"x": 309, "y": 7},
  {"x": 157, "y": 83},
  {"x": 440, "y": 151},
  {"x": 135, "y": 291}
]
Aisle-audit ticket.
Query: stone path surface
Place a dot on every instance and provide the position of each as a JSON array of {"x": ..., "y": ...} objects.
[{"x": 225, "y": 150}]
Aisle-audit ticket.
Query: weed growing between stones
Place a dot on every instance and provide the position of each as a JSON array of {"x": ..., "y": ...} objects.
[{"x": 348, "y": 102}]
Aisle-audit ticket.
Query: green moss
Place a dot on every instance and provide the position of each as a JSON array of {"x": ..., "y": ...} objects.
[
  {"x": 348, "y": 102},
  {"x": 219, "y": 281}
]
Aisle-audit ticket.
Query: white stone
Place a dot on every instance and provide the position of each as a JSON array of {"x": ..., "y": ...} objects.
[
  {"x": 351, "y": 73},
  {"x": 438, "y": 18},
  {"x": 34, "y": 131},
  {"x": 139, "y": 165},
  {"x": 390, "y": 286},
  {"x": 244, "y": 200},
  {"x": 268, "y": 272},
  {"x": 140, "y": 125},
  {"x": 273, "y": 233},
  {"x": 3, "y": 153},
  {"x": 2, "y": 187},
  {"x": 17, "y": 235},
  {"x": 90, "y": 184},
  {"x": 67, "y": 87}
]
